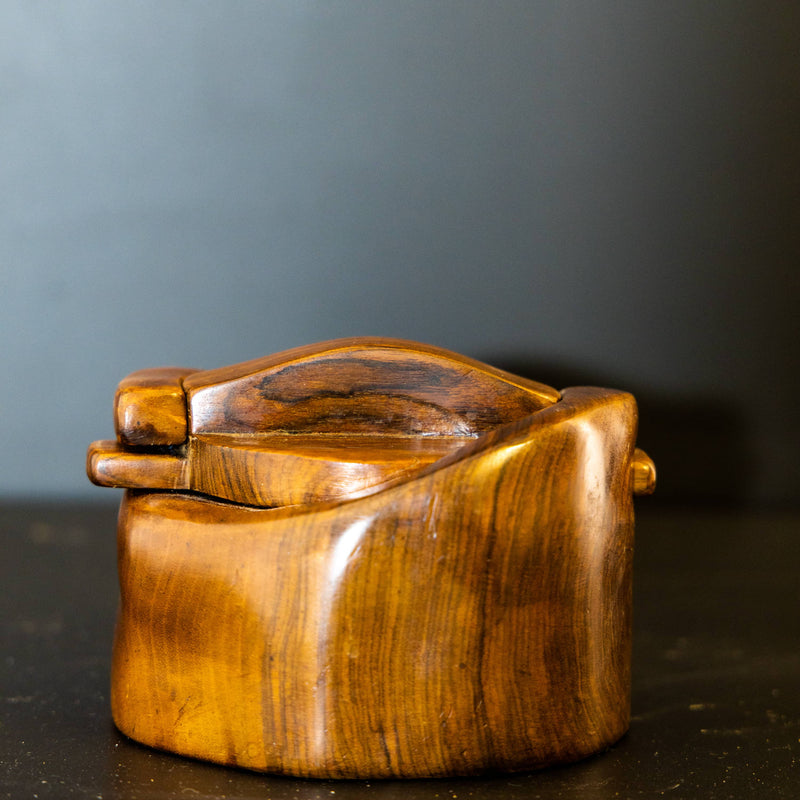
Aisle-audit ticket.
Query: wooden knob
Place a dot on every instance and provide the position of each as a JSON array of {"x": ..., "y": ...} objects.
[
  {"x": 150, "y": 408},
  {"x": 644, "y": 473}
]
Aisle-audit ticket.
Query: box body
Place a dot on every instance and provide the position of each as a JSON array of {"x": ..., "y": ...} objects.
[{"x": 475, "y": 617}]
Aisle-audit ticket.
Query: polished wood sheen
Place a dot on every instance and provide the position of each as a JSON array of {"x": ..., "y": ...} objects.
[
  {"x": 373, "y": 558},
  {"x": 306, "y": 425},
  {"x": 150, "y": 407},
  {"x": 644, "y": 473}
]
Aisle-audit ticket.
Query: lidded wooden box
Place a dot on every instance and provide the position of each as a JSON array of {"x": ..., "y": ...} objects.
[{"x": 372, "y": 558}]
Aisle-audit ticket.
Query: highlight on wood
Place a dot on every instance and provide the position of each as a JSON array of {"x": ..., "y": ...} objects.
[{"x": 372, "y": 558}]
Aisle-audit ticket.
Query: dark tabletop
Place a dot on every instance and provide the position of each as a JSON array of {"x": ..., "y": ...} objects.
[{"x": 716, "y": 673}]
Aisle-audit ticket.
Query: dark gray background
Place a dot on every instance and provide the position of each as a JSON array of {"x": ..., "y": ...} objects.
[{"x": 584, "y": 192}]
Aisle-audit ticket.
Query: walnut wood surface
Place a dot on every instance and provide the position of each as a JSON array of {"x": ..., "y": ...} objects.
[
  {"x": 271, "y": 470},
  {"x": 644, "y": 473},
  {"x": 317, "y": 423},
  {"x": 475, "y": 617},
  {"x": 109, "y": 464},
  {"x": 368, "y": 385},
  {"x": 371, "y": 558},
  {"x": 150, "y": 407}
]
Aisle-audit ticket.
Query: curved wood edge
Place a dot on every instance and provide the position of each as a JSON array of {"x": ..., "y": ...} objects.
[
  {"x": 574, "y": 401},
  {"x": 150, "y": 407},
  {"x": 366, "y": 385},
  {"x": 297, "y": 472},
  {"x": 644, "y": 473},
  {"x": 243, "y": 369},
  {"x": 111, "y": 465},
  {"x": 492, "y": 594}
]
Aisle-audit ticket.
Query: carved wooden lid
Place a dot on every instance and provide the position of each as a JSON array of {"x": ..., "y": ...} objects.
[{"x": 324, "y": 422}]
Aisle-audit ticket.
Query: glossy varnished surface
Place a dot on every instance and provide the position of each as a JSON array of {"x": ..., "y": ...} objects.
[
  {"x": 332, "y": 421},
  {"x": 473, "y": 618},
  {"x": 317, "y": 423},
  {"x": 366, "y": 385},
  {"x": 150, "y": 407},
  {"x": 297, "y": 469},
  {"x": 716, "y": 673},
  {"x": 372, "y": 558}
]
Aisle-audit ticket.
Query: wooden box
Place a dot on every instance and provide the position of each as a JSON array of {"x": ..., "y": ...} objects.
[{"x": 372, "y": 558}]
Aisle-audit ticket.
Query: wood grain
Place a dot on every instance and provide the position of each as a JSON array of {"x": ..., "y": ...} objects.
[
  {"x": 644, "y": 473},
  {"x": 366, "y": 385},
  {"x": 109, "y": 464},
  {"x": 372, "y": 558},
  {"x": 318, "y": 423},
  {"x": 150, "y": 407},
  {"x": 473, "y": 618}
]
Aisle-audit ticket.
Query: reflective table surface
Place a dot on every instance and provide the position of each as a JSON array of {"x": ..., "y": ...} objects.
[{"x": 716, "y": 672}]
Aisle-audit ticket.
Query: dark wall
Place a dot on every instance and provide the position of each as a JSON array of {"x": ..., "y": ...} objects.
[{"x": 586, "y": 192}]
